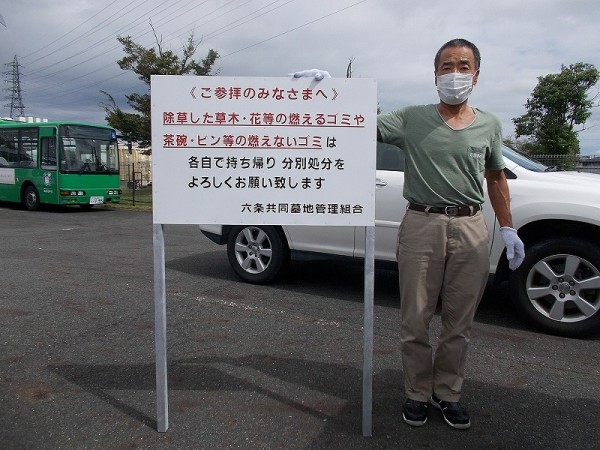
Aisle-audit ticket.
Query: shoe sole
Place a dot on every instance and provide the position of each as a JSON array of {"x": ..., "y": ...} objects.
[
  {"x": 458, "y": 426},
  {"x": 414, "y": 423}
]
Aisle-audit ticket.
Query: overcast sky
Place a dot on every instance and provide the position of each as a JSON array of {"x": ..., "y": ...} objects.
[{"x": 67, "y": 49}]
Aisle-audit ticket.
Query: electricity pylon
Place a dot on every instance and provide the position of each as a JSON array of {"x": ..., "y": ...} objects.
[{"x": 14, "y": 80}]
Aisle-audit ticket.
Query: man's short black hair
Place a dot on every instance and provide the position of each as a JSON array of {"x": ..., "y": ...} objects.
[{"x": 458, "y": 43}]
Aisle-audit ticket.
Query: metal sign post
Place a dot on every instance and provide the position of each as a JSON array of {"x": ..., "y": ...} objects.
[
  {"x": 367, "y": 394},
  {"x": 160, "y": 329}
]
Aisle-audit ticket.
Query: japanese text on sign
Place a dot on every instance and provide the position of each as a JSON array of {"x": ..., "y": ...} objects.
[{"x": 263, "y": 150}]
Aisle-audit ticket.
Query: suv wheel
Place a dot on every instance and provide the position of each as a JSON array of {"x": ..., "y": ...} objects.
[
  {"x": 257, "y": 253},
  {"x": 558, "y": 286}
]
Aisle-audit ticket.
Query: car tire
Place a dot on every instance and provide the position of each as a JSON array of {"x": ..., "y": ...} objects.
[
  {"x": 258, "y": 254},
  {"x": 31, "y": 199},
  {"x": 557, "y": 286}
]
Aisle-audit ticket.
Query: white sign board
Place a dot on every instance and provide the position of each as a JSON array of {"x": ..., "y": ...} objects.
[
  {"x": 234, "y": 150},
  {"x": 7, "y": 176}
]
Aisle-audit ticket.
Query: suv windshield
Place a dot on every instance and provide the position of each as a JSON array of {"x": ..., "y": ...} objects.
[
  {"x": 523, "y": 160},
  {"x": 88, "y": 150}
]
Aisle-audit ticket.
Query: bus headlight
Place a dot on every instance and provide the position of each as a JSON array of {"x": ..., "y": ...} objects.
[{"x": 72, "y": 193}]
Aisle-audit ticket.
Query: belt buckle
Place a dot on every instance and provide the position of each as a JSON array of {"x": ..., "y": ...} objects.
[{"x": 451, "y": 210}]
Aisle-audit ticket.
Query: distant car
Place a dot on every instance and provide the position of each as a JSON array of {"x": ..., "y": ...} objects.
[{"x": 557, "y": 215}]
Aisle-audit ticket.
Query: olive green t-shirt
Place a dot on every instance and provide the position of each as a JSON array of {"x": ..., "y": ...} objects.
[{"x": 443, "y": 166}]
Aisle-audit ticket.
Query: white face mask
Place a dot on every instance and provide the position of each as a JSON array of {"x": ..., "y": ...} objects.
[{"x": 454, "y": 88}]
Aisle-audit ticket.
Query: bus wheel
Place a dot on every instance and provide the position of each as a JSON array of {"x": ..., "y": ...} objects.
[{"x": 31, "y": 199}]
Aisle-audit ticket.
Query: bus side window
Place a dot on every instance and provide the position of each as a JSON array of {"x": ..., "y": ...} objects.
[
  {"x": 8, "y": 150},
  {"x": 25, "y": 158},
  {"x": 48, "y": 153},
  {"x": 4, "y": 153}
]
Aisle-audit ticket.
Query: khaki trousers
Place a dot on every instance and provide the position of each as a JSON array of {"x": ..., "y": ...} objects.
[{"x": 439, "y": 256}]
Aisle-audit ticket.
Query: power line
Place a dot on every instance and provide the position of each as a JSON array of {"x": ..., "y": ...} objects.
[
  {"x": 294, "y": 29},
  {"x": 163, "y": 16},
  {"x": 92, "y": 45},
  {"x": 67, "y": 33},
  {"x": 40, "y": 77}
]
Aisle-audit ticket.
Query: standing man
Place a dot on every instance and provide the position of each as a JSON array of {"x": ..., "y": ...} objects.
[{"x": 443, "y": 239}]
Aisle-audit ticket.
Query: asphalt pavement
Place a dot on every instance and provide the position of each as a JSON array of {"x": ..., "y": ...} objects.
[{"x": 251, "y": 367}]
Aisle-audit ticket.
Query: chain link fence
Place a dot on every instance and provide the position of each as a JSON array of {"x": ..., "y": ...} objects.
[{"x": 135, "y": 184}]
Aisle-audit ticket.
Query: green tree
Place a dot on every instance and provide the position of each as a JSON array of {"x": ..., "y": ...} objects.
[
  {"x": 135, "y": 126},
  {"x": 558, "y": 103}
]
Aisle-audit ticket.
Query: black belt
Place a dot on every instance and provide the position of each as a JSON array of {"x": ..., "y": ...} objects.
[{"x": 459, "y": 210}]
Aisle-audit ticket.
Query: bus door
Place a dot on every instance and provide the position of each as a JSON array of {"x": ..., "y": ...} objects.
[{"x": 48, "y": 184}]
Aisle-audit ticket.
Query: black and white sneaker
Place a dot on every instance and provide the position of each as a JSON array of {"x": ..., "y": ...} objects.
[
  {"x": 414, "y": 412},
  {"x": 454, "y": 414}
]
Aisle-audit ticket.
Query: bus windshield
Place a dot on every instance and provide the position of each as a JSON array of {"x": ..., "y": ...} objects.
[{"x": 88, "y": 150}]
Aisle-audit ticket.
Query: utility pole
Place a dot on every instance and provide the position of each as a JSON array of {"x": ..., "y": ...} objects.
[{"x": 14, "y": 79}]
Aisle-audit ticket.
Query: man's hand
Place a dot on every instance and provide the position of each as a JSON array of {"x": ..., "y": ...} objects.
[
  {"x": 515, "y": 250},
  {"x": 317, "y": 74}
]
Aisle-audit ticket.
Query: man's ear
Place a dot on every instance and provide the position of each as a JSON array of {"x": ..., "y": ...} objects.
[{"x": 475, "y": 77}]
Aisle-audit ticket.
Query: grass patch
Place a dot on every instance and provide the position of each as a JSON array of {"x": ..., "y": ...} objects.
[{"x": 141, "y": 199}]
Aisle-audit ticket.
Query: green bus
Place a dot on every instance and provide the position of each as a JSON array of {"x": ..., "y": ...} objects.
[{"x": 58, "y": 163}]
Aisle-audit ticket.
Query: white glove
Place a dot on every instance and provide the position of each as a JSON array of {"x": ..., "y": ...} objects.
[
  {"x": 316, "y": 73},
  {"x": 515, "y": 250}
]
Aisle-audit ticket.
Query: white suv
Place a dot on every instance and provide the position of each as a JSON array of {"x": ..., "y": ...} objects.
[{"x": 557, "y": 215}]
